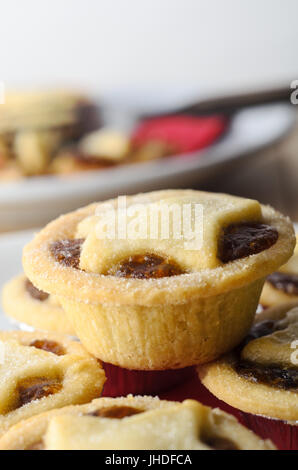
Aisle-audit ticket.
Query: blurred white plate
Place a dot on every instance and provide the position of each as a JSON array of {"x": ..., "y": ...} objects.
[{"x": 33, "y": 202}]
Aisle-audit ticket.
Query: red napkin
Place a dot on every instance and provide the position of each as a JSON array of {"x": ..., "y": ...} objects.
[{"x": 183, "y": 133}]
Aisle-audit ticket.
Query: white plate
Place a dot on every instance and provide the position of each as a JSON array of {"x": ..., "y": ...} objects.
[{"x": 34, "y": 202}]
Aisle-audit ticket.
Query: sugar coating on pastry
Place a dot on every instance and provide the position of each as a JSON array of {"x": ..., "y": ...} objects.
[
  {"x": 184, "y": 426},
  {"x": 24, "y": 303},
  {"x": 42, "y": 371},
  {"x": 132, "y": 423},
  {"x": 29, "y": 434},
  {"x": 43, "y": 272},
  {"x": 261, "y": 376},
  {"x": 146, "y": 230}
]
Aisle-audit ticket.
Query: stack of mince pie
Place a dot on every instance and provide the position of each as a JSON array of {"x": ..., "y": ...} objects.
[{"x": 149, "y": 311}]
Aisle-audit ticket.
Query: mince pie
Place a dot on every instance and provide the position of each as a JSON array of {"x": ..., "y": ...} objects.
[
  {"x": 41, "y": 372},
  {"x": 30, "y": 433},
  {"x": 155, "y": 299},
  {"x": 34, "y": 127},
  {"x": 133, "y": 423},
  {"x": 282, "y": 285},
  {"x": 33, "y": 308},
  {"x": 261, "y": 376}
]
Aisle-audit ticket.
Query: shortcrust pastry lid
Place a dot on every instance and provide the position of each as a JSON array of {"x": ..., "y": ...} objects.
[
  {"x": 133, "y": 423},
  {"x": 187, "y": 425},
  {"x": 50, "y": 276},
  {"x": 218, "y": 212},
  {"x": 29, "y": 433},
  {"x": 230, "y": 381},
  {"x": 44, "y": 371}
]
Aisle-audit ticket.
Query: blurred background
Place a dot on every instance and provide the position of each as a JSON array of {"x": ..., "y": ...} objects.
[{"x": 152, "y": 94}]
